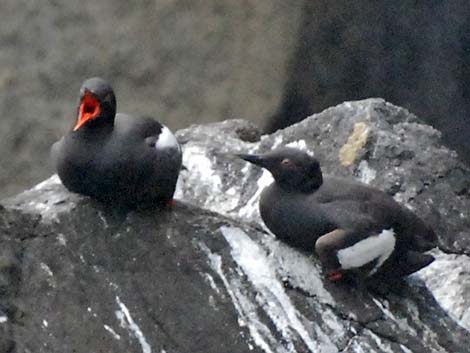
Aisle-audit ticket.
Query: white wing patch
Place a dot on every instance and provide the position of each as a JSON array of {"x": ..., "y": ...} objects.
[
  {"x": 378, "y": 247},
  {"x": 166, "y": 140}
]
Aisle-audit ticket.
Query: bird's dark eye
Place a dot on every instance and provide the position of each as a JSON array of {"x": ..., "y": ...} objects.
[{"x": 287, "y": 163}]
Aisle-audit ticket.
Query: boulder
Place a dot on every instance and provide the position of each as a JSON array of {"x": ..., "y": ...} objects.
[
  {"x": 374, "y": 141},
  {"x": 415, "y": 55},
  {"x": 77, "y": 276}
]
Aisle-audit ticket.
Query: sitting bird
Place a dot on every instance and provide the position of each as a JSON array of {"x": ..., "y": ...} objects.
[
  {"x": 116, "y": 158},
  {"x": 353, "y": 228}
]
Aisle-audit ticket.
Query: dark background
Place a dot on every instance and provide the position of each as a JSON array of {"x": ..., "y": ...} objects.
[{"x": 183, "y": 61}]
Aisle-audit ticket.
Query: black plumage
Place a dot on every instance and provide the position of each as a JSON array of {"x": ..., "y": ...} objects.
[
  {"x": 116, "y": 158},
  {"x": 327, "y": 214}
]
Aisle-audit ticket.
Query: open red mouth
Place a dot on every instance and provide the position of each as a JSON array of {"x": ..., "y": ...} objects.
[{"x": 89, "y": 109}]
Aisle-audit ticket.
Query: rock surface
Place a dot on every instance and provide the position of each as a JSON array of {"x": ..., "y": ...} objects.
[
  {"x": 76, "y": 276},
  {"x": 415, "y": 55}
]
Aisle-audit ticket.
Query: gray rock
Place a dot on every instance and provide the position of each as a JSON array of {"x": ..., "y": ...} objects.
[
  {"x": 374, "y": 141},
  {"x": 81, "y": 277},
  {"x": 371, "y": 140},
  {"x": 413, "y": 55}
]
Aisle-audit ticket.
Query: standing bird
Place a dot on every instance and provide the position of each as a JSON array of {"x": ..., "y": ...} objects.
[
  {"x": 353, "y": 228},
  {"x": 116, "y": 158}
]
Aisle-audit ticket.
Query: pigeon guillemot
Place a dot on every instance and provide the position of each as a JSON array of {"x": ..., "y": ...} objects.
[
  {"x": 353, "y": 228},
  {"x": 116, "y": 158}
]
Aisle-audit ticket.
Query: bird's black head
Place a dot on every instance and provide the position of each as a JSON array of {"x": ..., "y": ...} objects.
[
  {"x": 97, "y": 106},
  {"x": 292, "y": 169}
]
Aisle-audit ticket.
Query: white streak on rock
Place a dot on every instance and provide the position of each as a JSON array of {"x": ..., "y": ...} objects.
[
  {"x": 103, "y": 219},
  {"x": 277, "y": 141},
  {"x": 112, "y": 332},
  {"x": 53, "y": 180},
  {"x": 61, "y": 239},
  {"x": 366, "y": 174},
  {"x": 272, "y": 297},
  {"x": 448, "y": 278},
  {"x": 196, "y": 160},
  {"x": 299, "y": 269},
  {"x": 46, "y": 269},
  {"x": 250, "y": 211},
  {"x": 247, "y": 311},
  {"x": 405, "y": 349},
  {"x": 128, "y": 323},
  {"x": 39, "y": 200},
  {"x": 299, "y": 144},
  {"x": 384, "y": 347},
  {"x": 200, "y": 168},
  {"x": 50, "y": 275},
  {"x": 401, "y": 323},
  {"x": 45, "y": 323},
  {"x": 211, "y": 281},
  {"x": 358, "y": 348}
]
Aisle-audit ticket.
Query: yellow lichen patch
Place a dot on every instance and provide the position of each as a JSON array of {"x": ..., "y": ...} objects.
[{"x": 357, "y": 140}]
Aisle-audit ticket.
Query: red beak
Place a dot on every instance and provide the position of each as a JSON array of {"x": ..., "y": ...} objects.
[{"x": 89, "y": 109}]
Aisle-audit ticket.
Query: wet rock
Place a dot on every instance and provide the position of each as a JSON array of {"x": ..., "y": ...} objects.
[{"x": 90, "y": 278}]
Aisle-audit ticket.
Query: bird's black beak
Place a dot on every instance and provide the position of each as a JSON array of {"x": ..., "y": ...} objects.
[{"x": 252, "y": 158}]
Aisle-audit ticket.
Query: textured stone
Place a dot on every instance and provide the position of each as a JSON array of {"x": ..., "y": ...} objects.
[
  {"x": 87, "y": 278},
  {"x": 401, "y": 155},
  {"x": 93, "y": 279},
  {"x": 413, "y": 54},
  {"x": 386, "y": 146}
]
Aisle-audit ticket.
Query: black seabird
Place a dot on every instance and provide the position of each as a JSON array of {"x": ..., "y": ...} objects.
[
  {"x": 116, "y": 158},
  {"x": 352, "y": 227}
]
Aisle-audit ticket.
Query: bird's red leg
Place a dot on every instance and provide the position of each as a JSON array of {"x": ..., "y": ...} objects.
[
  {"x": 171, "y": 203},
  {"x": 335, "y": 275}
]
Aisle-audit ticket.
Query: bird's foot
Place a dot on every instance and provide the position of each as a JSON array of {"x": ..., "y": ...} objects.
[
  {"x": 335, "y": 275},
  {"x": 171, "y": 204}
]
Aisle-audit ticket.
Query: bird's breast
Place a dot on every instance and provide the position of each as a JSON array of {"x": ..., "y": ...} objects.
[{"x": 293, "y": 218}]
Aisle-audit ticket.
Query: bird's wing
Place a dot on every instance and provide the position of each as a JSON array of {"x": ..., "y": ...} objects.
[{"x": 141, "y": 127}]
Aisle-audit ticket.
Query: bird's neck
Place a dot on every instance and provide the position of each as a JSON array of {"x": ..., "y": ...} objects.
[
  {"x": 302, "y": 186},
  {"x": 305, "y": 188},
  {"x": 95, "y": 132}
]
